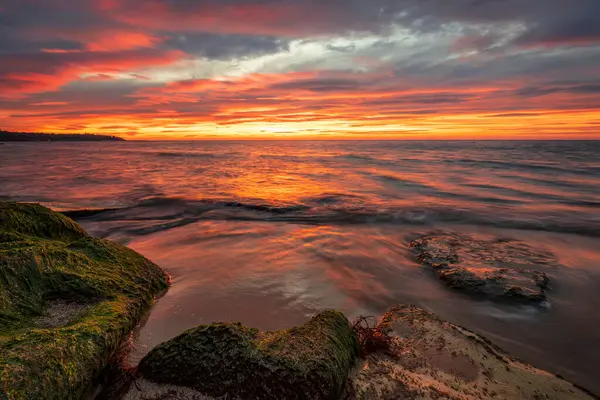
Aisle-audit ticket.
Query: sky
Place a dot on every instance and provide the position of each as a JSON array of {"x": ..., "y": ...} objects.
[{"x": 356, "y": 69}]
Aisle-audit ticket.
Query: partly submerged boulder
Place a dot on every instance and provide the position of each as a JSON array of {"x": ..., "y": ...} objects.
[
  {"x": 498, "y": 269},
  {"x": 518, "y": 284},
  {"x": 224, "y": 359},
  {"x": 67, "y": 301},
  {"x": 433, "y": 359}
]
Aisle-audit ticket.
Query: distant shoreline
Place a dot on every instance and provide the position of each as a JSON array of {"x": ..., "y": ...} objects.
[{"x": 6, "y": 136}]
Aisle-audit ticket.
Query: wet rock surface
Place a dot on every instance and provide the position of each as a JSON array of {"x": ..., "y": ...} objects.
[
  {"x": 517, "y": 284},
  {"x": 146, "y": 390},
  {"x": 434, "y": 359},
  {"x": 500, "y": 269},
  {"x": 311, "y": 361},
  {"x": 58, "y": 313}
]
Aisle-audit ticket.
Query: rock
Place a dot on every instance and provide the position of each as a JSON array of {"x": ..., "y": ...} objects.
[
  {"x": 67, "y": 302},
  {"x": 434, "y": 359},
  {"x": 37, "y": 221},
  {"x": 146, "y": 390},
  {"x": 437, "y": 252},
  {"x": 498, "y": 269},
  {"x": 517, "y": 284},
  {"x": 228, "y": 359}
]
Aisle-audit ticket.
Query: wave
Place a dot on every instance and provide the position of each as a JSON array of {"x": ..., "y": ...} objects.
[
  {"x": 184, "y": 155},
  {"x": 589, "y": 171},
  {"x": 360, "y": 157},
  {"x": 507, "y": 191},
  {"x": 159, "y": 214},
  {"x": 182, "y": 206}
]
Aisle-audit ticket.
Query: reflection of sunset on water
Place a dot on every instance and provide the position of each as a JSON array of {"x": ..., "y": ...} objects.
[
  {"x": 277, "y": 188},
  {"x": 268, "y": 233}
]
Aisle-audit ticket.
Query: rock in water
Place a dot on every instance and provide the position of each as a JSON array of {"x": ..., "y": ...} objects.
[
  {"x": 497, "y": 269},
  {"x": 67, "y": 301},
  {"x": 223, "y": 359},
  {"x": 433, "y": 359},
  {"x": 519, "y": 284}
]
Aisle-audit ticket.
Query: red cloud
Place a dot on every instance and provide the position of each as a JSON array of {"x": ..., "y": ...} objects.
[
  {"x": 121, "y": 40},
  {"x": 49, "y": 71}
]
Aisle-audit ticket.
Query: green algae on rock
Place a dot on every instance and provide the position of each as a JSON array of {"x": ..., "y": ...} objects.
[
  {"x": 67, "y": 301},
  {"x": 311, "y": 361},
  {"x": 38, "y": 221},
  {"x": 434, "y": 359}
]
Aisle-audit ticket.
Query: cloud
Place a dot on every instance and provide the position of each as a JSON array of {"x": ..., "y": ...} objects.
[
  {"x": 544, "y": 22},
  {"x": 318, "y": 85},
  {"x": 514, "y": 115},
  {"x": 225, "y": 46},
  {"x": 212, "y": 66},
  {"x": 284, "y": 18},
  {"x": 27, "y": 73},
  {"x": 534, "y": 91},
  {"x": 575, "y": 24}
]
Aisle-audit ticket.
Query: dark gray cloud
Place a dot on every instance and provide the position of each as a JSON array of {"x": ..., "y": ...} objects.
[
  {"x": 30, "y": 26},
  {"x": 249, "y": 27},
  {"x": 536, "y": 91},
  {"x": 225, "y": 47},
  {"x": 11, "y": 44},
  {"x": 440, "y": 98},
  {"x": 549, "y": 68},
  {"x": 545, "y": 21},
  {"x": 319, "y": 85},
  {"x": 575, "y": 23}
]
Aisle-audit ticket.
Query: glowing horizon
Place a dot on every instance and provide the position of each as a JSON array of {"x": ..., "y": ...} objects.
[{"x": 295, "y": 69}]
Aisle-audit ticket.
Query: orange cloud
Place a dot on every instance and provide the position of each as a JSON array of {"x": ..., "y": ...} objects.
[{"x": 255, "y": 106}]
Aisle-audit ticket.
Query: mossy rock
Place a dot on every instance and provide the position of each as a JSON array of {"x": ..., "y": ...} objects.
[
  {"x": 227, "y": 359},
  {"x": 49, "y": 264},
  {"x": 39, "y": 221}
]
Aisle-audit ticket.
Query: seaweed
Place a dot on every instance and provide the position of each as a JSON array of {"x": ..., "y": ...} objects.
[
  {"x": 45, "y": 256},
  {"x": 372, "y": 338}
]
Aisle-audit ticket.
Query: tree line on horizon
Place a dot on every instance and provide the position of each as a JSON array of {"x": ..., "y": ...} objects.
[{"x": 11, "y": 136}]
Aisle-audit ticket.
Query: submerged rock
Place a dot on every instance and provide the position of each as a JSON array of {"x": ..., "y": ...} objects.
[
  {"x": 67, "y": 301},
  {"x": 434, "y": 359},
  {"x": 498, "y": 269},
  {"x": 224, "y": 359}
]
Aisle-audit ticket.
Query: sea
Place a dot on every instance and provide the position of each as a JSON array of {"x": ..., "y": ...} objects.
[{"x": 268, "y": 233}]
